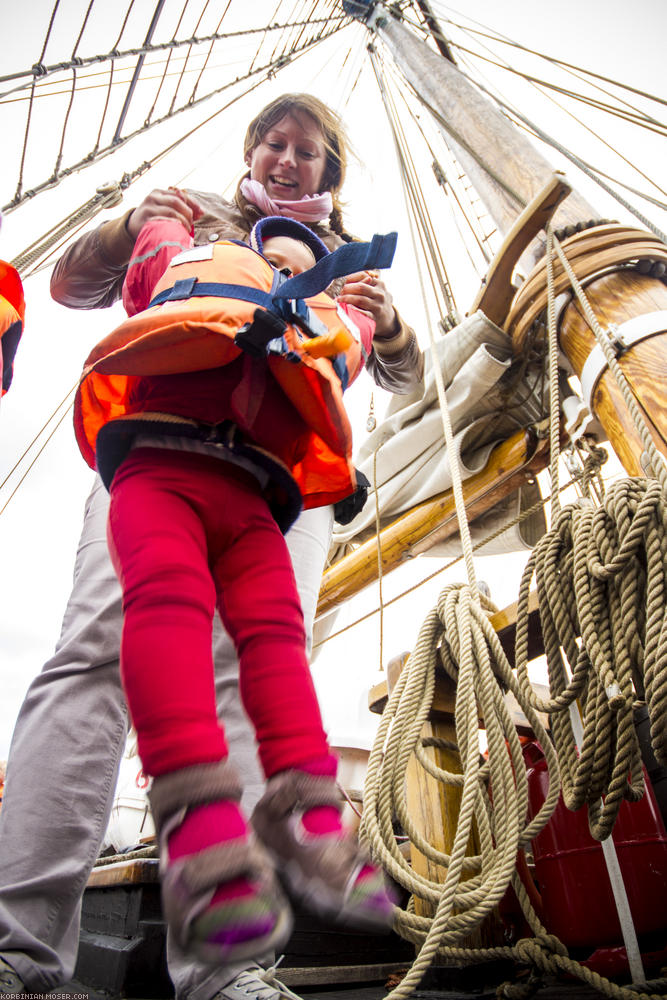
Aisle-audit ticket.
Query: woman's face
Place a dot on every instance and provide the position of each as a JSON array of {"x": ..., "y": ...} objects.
[{"x": 290, "y": 160}]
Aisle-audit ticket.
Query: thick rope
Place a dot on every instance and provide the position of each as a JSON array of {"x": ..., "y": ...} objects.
[{"x": 493, "y": 799}]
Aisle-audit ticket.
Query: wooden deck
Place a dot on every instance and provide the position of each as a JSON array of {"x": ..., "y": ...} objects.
[{"x": 122, "y": 953}]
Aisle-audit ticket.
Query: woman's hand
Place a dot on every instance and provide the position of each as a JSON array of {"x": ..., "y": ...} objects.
[
  {"x": 368, "y": 292},
  {"x": 159, "y": 204}
]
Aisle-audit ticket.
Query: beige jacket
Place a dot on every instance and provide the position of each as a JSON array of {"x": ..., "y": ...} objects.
[{"x": 91, "y": 272}]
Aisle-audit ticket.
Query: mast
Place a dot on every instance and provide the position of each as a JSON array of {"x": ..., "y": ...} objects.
[
  {"x": 504, "y": 166},
  {"x": 508, "y": 172}
]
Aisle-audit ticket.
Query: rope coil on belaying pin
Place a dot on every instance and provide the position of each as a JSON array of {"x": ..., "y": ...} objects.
[
  {"x": 494, "y": 794},
  {"x": 601, "y": 575}
]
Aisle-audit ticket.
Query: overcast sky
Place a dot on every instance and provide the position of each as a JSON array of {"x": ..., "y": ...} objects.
[{"x": 39, "y": 528}]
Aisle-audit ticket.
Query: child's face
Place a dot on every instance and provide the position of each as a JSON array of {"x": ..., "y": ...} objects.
[{"x": 285, "y": 252}]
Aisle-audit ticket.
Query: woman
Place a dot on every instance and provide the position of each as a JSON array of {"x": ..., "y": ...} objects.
[{"x": 70, "y": 733}]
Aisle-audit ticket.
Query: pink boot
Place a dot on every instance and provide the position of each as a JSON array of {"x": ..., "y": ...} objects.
[
  {"x": 217, "y": 927},
  {"x": 329, "y": 873}
]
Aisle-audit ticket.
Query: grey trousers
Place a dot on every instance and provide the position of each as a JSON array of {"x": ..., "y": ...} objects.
[{"x": 65, "y": 754}]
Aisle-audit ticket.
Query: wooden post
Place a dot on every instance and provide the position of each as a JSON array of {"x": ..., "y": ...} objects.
[
  {"x": 433, "y": 806},
  {"x": 615, "y": 299}
]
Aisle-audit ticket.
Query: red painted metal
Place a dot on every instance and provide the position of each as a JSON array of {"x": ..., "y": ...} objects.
[{"x": 577, "y": 901}]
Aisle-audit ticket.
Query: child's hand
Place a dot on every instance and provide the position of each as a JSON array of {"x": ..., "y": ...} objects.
[
  {"x": 159, "y": 204},
  {"x": 368, "y": 292}
]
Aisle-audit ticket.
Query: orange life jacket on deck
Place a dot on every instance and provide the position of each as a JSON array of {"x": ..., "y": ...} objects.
[
  {"x": 192, "y": 333},
  {"x": 12, "y": 316}
]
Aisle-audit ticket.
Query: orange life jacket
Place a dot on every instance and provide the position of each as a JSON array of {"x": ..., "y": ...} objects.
[
  {"x": 188, "y": 333},
  {"x": 12, "y": 316}
]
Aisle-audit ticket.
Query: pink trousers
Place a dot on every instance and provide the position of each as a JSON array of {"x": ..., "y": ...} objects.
[{"x": 188, "y": 532}]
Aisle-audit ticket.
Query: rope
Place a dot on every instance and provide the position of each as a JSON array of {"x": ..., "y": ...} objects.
[
  {"x": 40, "y": 72},
  {"x": 379, "y": 552},
  {"x": 106, "y": 196},
  {"x": 97, "y": 154}
]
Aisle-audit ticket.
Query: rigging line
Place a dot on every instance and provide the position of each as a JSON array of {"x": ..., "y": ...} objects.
[
  {"x": 37, "y": 437},
  {"x": 421, "y": 211},
  {"x": 617, "y": 152},
  {"x": 635, "y": 116},
  {"x": 106, "y": 151},
  {"x": 577, "y": 161},
  {"x": 578, "y": 76},
  {"x": 129, "y": 178},
  {"x": 601, "y": 173},
  {"x": 187, "y": 57},
  {"x": 296, "y": 34},
  {"x": 513, "y": 115},
  {"x": 165, "y": 71},
  {"x": 109, "y": 195},
  {"x": 19, "y": 185},
  {"x": 356, "y": 60},
  {"x": 40, "y": 72},
  {"x": 419, "y": 201},
  {"x": 59, "y": 156},
  {"x": 590, "y": 131},
  {"x": 560, "y": 62},
  {"x": 46, "y": 260},
  {"x": 446, "y": 127},
  {"x": 208, "y": 54},
  {"x": 446, "y": 185},
  {"x": 112, "y": 68},
  {"x": 391, "y": 118},
  {"x": 414, "y": 214},
  {"x": 27, "y": 471},
  {"x": 137, "y": 72},
  {"x": 263, "y": 38},
  {"x": 106, "y": 196},
  {"x": 42, "y": 91}
]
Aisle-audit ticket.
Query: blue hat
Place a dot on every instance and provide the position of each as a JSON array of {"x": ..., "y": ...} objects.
[{"x": 278, "y": 225}]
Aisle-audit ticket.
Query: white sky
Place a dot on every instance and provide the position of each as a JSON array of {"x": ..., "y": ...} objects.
[{"x": 39, "y": 528}]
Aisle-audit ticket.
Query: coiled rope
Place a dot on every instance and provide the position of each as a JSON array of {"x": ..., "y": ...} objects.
[{"x": 595, "y": 562}]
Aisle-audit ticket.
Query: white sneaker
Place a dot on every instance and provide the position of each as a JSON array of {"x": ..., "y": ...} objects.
[
  {"x": 256, "y": 983},
  {"x": 10, "y": 982}
]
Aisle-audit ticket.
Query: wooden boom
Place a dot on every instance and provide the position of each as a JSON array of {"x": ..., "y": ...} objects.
[{"x": 511, "y": 463}]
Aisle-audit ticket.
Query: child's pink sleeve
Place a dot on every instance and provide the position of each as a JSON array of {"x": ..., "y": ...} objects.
[
  {"x": 364, "y": 323},
  {"x": 157, "y": 243}
]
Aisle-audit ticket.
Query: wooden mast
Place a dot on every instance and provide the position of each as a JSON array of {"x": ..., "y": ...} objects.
[{"x": 508, "y": 172}]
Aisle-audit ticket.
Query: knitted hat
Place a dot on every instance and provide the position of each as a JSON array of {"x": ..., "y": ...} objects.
[{"x": 278, "y": 225}]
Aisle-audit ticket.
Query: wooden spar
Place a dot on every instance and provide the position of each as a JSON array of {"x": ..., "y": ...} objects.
[
  {"x": 512, "y": 463},
  {"x": 615, "y": 298},
  {"x": 630, "y": 306},
  {"x": 504, "y": 167}
]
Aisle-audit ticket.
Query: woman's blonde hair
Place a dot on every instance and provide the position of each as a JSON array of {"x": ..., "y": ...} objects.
[{"x": 333, "y": 132}]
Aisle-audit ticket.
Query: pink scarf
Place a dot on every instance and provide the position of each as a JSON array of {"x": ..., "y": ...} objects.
[{"x": 310, "y": 208}]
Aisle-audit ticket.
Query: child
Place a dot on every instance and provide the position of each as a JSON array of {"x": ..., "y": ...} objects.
[{"x": 204, "y": 460}]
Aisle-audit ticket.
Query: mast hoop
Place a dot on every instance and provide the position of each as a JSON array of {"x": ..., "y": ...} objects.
[{"x": 623, "y": 336}]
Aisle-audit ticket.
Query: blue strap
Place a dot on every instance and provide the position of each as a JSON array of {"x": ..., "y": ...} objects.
[
  {"x": 351, "y": 257},
  {"x": 187, "y": 288}
]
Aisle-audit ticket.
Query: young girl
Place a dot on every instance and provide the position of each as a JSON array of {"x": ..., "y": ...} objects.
[{"x": 201, "y": 461}]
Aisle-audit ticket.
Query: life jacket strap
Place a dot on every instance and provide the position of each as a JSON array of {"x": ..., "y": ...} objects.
[
  {"x": 351, "y": 257},
  {"x": 187, "y": 288}
]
